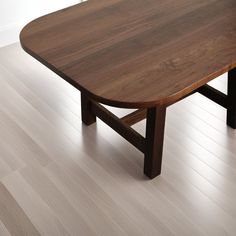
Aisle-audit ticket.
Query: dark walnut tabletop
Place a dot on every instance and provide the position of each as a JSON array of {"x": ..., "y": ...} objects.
[{"x": 136, "y": 53}]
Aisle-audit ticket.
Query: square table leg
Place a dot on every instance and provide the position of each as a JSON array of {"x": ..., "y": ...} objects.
[
  {"x": 155, "y": 127},
  {"x": 231, "y": 99},
  {"x": 88, "y": 117}
]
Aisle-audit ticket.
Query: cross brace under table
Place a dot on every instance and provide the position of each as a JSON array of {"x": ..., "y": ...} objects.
[{"x": 152, "y": 144}]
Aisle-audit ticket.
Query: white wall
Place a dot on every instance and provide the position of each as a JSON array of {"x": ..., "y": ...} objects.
[{"x": 14, "y": 14}]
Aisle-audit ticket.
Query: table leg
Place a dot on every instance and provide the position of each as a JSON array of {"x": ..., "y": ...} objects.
[
  {"x": 88, "y": 117},
  {"x": 155, "y": 127},
  {"x": 231, "y": 99}
]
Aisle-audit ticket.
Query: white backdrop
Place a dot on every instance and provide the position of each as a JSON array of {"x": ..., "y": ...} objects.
[{"x": 14, "y": 14}]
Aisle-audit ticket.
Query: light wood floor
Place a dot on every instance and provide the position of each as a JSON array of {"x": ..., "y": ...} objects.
[{"x": 58, "y": 177}]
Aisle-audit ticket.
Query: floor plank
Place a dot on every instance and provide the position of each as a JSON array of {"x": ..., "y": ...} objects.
[
  {"x": 40, "y": 214},
  {"x": 13, "y": 217}
]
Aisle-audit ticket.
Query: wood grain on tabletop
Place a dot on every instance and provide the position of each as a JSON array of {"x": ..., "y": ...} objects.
[{"x": 135, "y": 53}]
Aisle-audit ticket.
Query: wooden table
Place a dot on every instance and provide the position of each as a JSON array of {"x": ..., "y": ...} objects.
[{"x": 142, "y": 54}]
